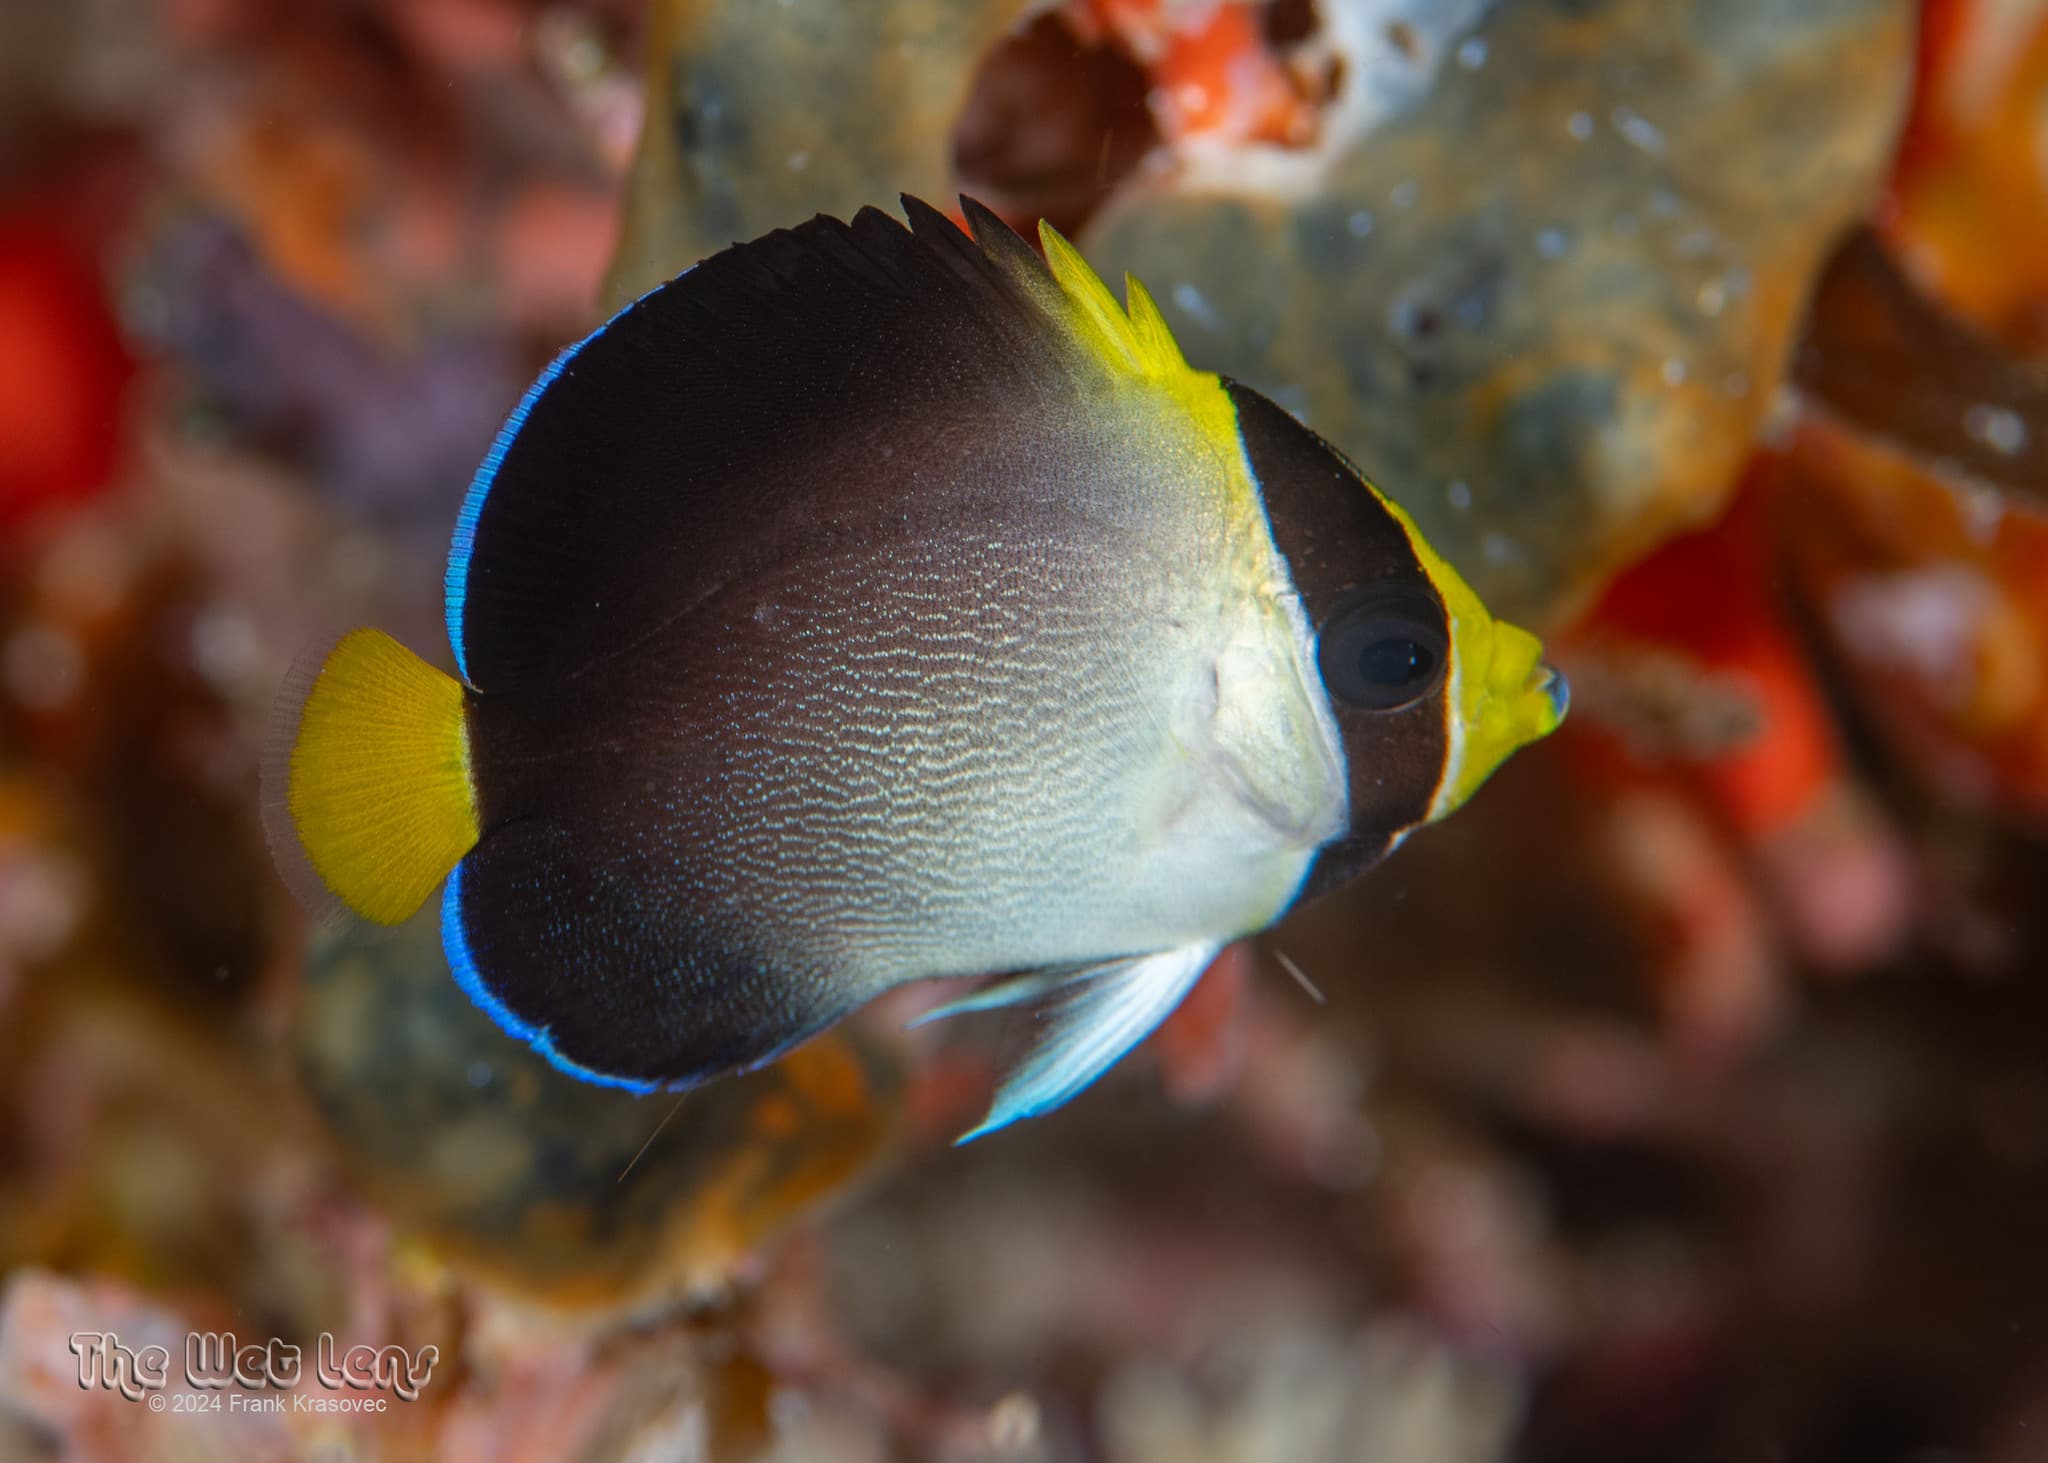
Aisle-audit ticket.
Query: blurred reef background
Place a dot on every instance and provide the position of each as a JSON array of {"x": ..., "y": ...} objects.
[{"x": 1685, "y": 1098}]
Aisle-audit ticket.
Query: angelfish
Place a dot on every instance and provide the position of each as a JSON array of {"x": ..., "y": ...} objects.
[{"x": 875, "y": 603}]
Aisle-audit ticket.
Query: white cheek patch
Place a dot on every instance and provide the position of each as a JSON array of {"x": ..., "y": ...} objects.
[{"x": 1272, "y": 727}]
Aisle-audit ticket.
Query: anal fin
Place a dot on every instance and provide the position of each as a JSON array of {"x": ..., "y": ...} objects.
[{"x": 1093, "y": 1017}]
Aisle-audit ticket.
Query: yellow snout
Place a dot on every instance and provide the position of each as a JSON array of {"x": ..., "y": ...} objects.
[
  {"x": 1503, "y": 697},
  {"x": 1501, "y": 694}
]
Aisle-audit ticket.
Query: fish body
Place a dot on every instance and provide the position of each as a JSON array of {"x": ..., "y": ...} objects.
[{"x": 873, "y": 604}]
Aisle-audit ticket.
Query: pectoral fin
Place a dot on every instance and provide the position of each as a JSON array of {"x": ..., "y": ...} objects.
[
  {"x": 1018, "y": 989},
  {"x": 1092, "y": 1019}
]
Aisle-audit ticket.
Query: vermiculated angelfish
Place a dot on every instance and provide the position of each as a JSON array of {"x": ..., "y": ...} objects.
[{"x": 872, "y": 604}]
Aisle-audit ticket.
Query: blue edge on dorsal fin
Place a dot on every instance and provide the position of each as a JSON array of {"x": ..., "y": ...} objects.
[{"x": 455, "y": 579}]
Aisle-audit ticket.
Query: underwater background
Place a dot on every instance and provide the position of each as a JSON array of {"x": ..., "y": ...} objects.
[{"x": 1684, "y": 1098}]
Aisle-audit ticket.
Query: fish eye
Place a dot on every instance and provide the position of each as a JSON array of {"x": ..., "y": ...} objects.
[{"x": 1384, "y": 651}]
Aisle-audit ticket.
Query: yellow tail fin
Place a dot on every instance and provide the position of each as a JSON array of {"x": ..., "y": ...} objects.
[{"x": 379, "y": 787}]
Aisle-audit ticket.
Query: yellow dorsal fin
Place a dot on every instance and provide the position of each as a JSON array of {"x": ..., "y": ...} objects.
[
  {"x": 1136, "y": 339},
  {"x": 1133, "y": 344}
]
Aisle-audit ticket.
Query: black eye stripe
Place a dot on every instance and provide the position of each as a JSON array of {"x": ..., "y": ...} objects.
[
  {"x": 1344, "y": 545},
  {"x": 1383, "y": 651}
]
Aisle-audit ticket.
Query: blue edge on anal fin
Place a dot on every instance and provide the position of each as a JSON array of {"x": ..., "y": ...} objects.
[{"x": 455, "y": 944}]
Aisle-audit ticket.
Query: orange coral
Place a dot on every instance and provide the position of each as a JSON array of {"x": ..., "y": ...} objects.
[
  {"x": 1971, "y": 169},
  {"x": 1935, "y": 595},
  {"x": 1215, "y": 76}
]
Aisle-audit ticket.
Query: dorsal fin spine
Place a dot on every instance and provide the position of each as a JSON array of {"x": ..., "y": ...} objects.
[
  {"x": 1133, "y": 339},
  {"x": 1095, "y": 309},
  {"x": 1136, "y": 338},
  {"x": 1157, "y": 348}
]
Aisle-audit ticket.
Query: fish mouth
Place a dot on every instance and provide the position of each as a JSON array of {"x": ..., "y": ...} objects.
[{"x": 1554, "y": 685}]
